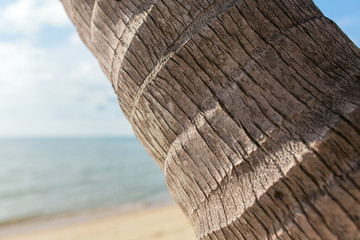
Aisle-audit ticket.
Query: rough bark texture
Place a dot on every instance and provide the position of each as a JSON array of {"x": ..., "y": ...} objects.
[{"x": 250, "y": 107}]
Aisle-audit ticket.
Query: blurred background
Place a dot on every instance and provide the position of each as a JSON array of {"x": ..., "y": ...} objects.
[{"x": 65, "y": 146}]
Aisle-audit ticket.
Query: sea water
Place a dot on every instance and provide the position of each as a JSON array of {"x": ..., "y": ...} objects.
[{"x": 45, "y": 177}]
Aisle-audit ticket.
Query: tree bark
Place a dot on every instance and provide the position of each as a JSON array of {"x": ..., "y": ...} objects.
[{"x": 250, "y": 107}]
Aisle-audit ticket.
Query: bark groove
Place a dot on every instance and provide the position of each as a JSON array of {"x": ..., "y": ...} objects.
[{"x": 250, "y": 107}]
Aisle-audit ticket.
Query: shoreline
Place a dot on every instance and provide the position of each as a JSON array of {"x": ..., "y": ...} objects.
[
  {"x": 154, "y": 222},
  {"x": 40, "y": 223}
]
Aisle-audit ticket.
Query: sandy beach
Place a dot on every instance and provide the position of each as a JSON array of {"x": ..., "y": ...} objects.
[{"x": 161, "y": 223}]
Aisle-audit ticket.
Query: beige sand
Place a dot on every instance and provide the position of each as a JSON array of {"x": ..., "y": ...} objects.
[{"x": 164, "y": 223}]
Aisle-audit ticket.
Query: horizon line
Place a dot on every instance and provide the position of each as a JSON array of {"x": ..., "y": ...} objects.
[{"x": 66, "y": 137}]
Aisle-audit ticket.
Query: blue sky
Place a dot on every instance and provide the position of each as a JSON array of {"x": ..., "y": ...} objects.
[
  {"x": 50, "y": 85},
  {"x": 346, "y": 14}
]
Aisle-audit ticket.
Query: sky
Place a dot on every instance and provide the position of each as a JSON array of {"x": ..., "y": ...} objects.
[{"x": 51, "y": 85}]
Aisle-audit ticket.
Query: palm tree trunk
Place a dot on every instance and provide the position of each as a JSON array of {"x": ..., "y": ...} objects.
[{"x": 250, "y": 107}]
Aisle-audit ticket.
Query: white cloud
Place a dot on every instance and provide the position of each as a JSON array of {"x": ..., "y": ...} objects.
[
  {"x": 29, "y": 16},
  {"x": 75, "y": 39},
  {"x": 51, "y": 89},
  {"x": 21, "y": 63},
  {"x": 59, "y": 91}
]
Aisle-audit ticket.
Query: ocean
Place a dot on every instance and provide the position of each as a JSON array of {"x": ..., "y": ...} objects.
[{"x": 49, "y": 177}]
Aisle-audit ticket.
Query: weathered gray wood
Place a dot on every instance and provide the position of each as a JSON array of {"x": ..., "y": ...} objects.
[{"x": 250, "y": 107}]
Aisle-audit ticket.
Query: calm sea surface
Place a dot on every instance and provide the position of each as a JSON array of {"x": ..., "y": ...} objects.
[{"x": 42, "y": 177}]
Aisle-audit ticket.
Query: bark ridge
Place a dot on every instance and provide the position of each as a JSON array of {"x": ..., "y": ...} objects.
[{"x": 250, "y": 107}]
